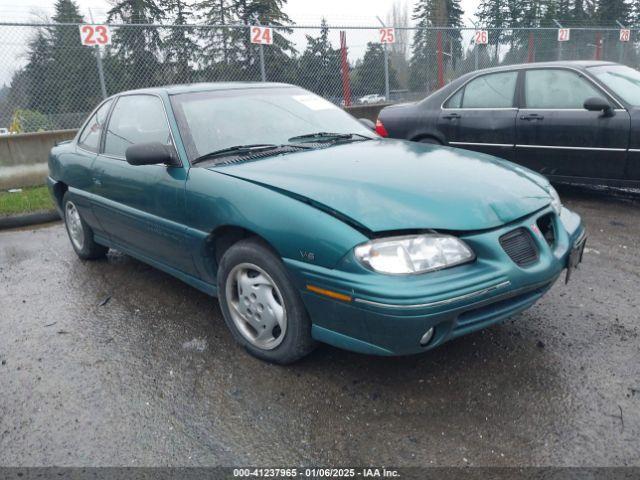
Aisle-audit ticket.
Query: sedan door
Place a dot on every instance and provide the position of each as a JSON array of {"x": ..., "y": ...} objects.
[
  {"x": 481, "y": 115},
  {"x": 142, "y": 207},
  {"x": 558, "y": 137}
]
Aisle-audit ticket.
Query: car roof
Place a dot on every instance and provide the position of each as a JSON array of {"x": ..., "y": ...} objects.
[
  {"x": 578, "y": 64},
  {"x": 206, "y": 87}
]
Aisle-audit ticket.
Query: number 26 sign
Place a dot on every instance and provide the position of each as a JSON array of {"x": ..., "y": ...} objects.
[
  {"x": 261, "y": 35},
  {"x": 92, "y": 35}
]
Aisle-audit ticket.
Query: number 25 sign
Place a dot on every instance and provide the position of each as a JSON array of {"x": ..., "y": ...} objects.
[
  {"x": 387, "y": 35},
  {"x": 261, "y": 35},
  {"x": 92, "y": 35}
]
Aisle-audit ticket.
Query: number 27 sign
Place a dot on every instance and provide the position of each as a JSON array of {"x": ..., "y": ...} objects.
[{"x": 92, "y": 35}]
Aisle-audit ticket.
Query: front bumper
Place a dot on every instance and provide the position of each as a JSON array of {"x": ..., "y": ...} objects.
[{"x": 388, "y": 315}]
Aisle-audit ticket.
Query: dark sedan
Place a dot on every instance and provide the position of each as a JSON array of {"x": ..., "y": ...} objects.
[{"x": 571, "y": 121}]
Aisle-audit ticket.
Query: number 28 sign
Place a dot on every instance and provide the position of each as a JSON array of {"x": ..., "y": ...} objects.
[
  {"x": 92, "y": 35},
  {"x": 261, "y": 35}
]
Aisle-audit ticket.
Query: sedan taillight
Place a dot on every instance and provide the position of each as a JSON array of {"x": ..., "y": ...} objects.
[{"x": 380, "y": 130}]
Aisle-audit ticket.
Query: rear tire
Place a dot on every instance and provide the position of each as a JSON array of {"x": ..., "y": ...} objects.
[
  {"x": 260, "y": 304},
  {"x": 80, "y": 234}
]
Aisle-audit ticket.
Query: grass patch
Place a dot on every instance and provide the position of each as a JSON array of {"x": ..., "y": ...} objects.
[{"x": 29, "y": 200}]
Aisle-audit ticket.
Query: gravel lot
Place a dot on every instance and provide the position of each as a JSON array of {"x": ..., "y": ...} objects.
[{"x": 116, "y": 363}]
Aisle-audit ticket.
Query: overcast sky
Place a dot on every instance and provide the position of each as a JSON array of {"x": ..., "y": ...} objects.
[{"x": 349, "y": 12}]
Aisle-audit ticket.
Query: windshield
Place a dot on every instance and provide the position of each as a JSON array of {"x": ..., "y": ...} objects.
[
  {"x": 215, "y": 120},
  {"x": 621, "y": 80}
]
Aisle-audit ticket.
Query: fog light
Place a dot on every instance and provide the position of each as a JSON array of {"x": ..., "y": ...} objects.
[{"x": 426, "y": 338}]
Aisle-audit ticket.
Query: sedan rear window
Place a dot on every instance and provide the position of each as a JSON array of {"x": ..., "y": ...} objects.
[{"x": 495, "y": 90}]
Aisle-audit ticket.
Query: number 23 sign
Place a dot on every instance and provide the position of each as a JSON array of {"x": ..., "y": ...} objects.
[
  {"x": 92, "y": 35},
  {"x": 261, "y": 35}
]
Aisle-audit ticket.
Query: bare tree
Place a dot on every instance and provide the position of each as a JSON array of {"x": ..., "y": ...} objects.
[{"x": 398, "y": 17}]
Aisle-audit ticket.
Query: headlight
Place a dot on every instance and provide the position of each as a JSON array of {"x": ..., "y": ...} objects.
[
  {"x": 413, "y": 254},
  {"x": 556, "y": 204}
]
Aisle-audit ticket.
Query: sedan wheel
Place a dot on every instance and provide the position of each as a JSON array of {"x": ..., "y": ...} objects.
[
  {"x": 80, "y": 233},
  {"x": 256, "y": 306},
  {"x": 261, "y": 305},
  {"x": 74, "y": 225}
]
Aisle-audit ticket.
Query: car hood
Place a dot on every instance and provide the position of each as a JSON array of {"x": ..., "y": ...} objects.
[{"x": 396, "y": 185}]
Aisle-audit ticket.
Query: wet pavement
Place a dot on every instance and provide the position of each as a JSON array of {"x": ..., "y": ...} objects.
[{"x": 115, "y": 363}]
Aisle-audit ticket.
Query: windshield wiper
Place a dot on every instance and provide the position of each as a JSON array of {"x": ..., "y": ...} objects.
[
  {"x": 327, "y": 137},
  {"x": 252, "y": 147}
]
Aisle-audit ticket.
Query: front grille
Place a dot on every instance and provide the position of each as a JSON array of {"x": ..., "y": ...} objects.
[
  {"x": 520, "y": 247},
  {"x": 545, "y": 224}
]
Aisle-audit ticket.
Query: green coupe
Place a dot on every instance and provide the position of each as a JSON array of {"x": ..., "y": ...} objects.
[{"x": 305, "y": 224}]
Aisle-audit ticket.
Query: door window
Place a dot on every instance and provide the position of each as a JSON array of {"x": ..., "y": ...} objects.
[
  {"x": 90, "y": 137},
  {"x": 495, "y": 90},
  {"x": 136, "y": 119},
  {"x": 557, "y": 89}
]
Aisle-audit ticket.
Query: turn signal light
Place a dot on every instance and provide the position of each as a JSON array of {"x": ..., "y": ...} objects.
[{"x": 380, "y": 130}]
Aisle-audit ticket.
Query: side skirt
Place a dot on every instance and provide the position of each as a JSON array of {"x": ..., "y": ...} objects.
[{"x": 205, "y": 287}]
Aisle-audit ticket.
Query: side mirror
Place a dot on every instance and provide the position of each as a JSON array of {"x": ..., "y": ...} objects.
[
  {"x": 598, "y": 104},
  {"x": 368, "y": 123},
  {"x": 151, "y": 153}
]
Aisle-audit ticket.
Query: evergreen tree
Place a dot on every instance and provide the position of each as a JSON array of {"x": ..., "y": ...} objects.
[
  {"x": 369, "y": 74},
  {"x": 218, "y": 46},
  {"x": 423, "y": 64},
  {"x": 38, "y": 83},
  {"x": 610, "y": 11},
  {"x": 278, "y": 57},
  {"x": 73, "y": 67},
  {"x": 319, "y": 65},
  {"x": 136, "y": 48},
  {"x": 180, "y": 47}
]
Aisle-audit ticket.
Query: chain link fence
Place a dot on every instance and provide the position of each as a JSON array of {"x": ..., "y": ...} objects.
[{"x": 49, "y": 80}]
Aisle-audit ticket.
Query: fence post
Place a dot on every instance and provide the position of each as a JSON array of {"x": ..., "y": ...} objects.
[
  {"x": 103, "y": 87},
  {"x": 263, "y": 72},
  {"x": 440, "y": 60},
  {"x": 530, "y": 53},
  {"x": 386, "y": 65},
  {"x": 598, "y": 53},
  {"x": 346, "y": 86}
]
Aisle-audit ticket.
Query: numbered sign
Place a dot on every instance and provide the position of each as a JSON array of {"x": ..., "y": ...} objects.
[
  {"x": 387, "y": 35},
  {"x": 564, "y": 34},
  {"x": 625, "y": 35},
  {"x": 92, "y": 35},
  {"x": 261, "y": 35},
  {"x": 482, "y": 37}
]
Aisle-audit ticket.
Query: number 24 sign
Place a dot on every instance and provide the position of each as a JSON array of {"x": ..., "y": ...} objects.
[
  {"x": 261, "y": 35},
  {"x": 92, "y": 35}
]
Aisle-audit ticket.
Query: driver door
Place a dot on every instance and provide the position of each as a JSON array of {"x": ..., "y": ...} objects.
[
  {"x": 556, "y": 136},
  {"x": 141, "y": 207}
]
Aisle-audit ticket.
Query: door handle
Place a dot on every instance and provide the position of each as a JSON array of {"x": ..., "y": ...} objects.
[
  {"x": 451, "y": 116},
  {"x": 531, "y": 116}
]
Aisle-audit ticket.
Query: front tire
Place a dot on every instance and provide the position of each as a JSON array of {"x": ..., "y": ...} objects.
[
  {"x": 260, "y": 304},
  {"x": 80, "y": 234}
]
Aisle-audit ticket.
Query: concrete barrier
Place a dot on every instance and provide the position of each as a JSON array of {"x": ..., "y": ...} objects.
[
  {"x": 367, "y": 111},
  {"x": 30, "y": 148}
]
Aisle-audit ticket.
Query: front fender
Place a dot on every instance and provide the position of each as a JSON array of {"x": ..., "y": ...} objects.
[{"x": 296, "y": 230}]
